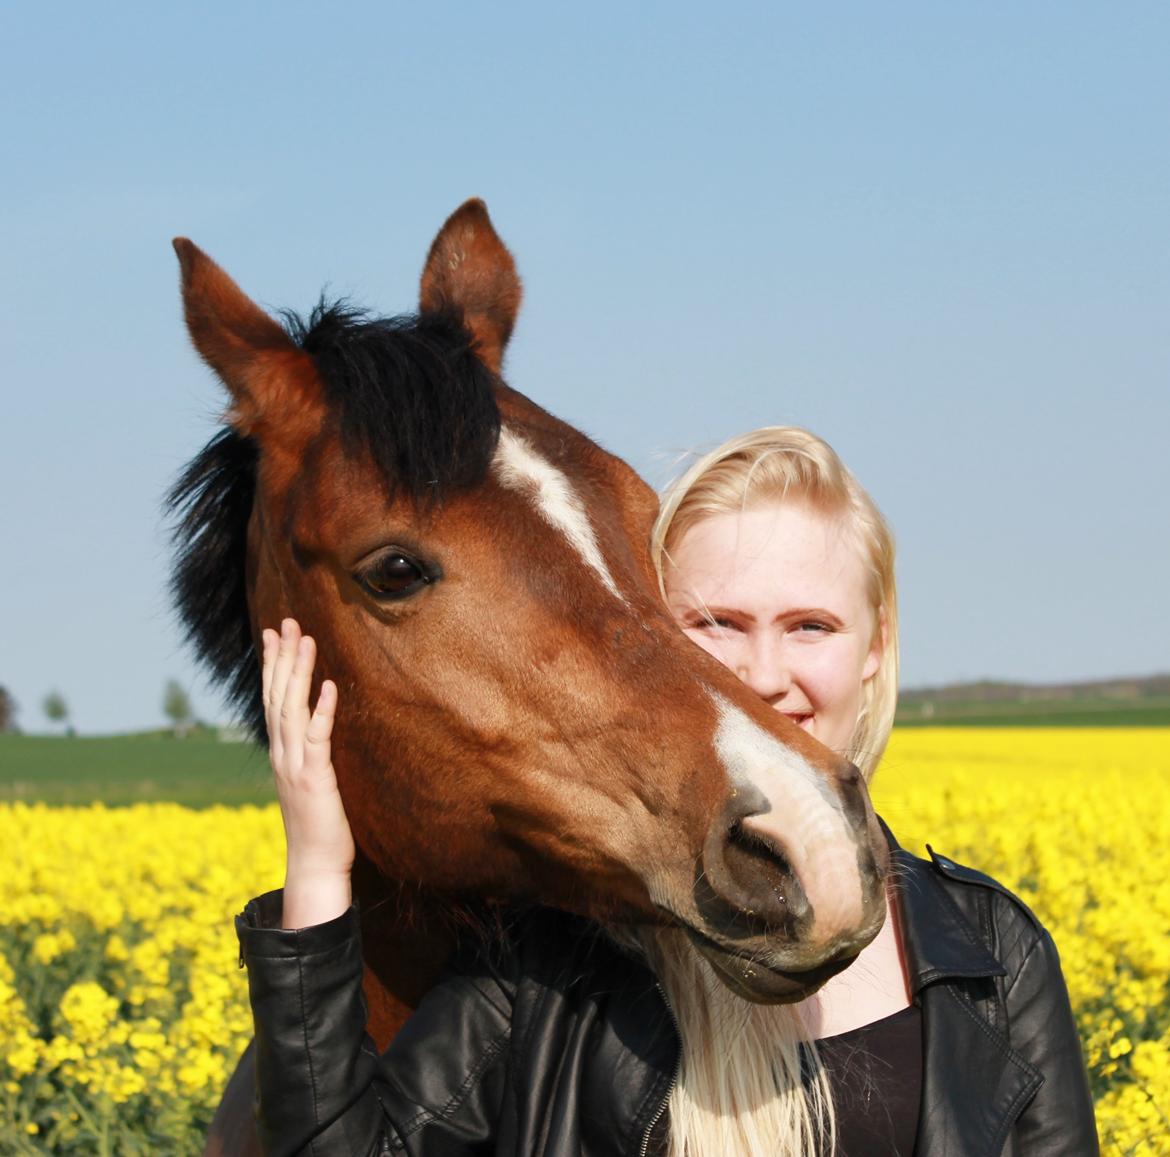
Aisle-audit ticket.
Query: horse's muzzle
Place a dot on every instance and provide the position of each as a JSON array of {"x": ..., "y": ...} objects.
[{"x": 757, "y": 922}]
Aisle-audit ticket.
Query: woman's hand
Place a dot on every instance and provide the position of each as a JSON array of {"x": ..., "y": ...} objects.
[{"x": 320, "y": 844}]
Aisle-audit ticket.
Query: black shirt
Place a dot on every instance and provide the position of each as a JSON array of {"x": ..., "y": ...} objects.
[{"x": 875, "y": 1073}]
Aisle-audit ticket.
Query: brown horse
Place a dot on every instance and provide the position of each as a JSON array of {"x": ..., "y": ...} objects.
[{"x": 520, "y": 718}]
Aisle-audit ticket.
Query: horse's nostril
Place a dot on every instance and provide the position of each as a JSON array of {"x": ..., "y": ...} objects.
[
  {"x": 758, "y": 847},
  {"x": 764, "y": 875}
]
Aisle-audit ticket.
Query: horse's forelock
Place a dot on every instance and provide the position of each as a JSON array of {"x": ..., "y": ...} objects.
[{"x": 409, "y": 392}]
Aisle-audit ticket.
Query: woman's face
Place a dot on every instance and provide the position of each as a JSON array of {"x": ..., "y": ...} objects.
[{"x": 778, "y": 594}]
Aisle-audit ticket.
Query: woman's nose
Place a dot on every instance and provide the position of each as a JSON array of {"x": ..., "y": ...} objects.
[{"x": 762, "y": 666}]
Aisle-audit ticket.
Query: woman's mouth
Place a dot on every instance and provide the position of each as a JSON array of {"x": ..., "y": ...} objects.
[{"x": 802, "y": 719}]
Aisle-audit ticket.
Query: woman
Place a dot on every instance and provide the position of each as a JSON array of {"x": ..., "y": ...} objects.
[{"x": 951, "y": 1033}]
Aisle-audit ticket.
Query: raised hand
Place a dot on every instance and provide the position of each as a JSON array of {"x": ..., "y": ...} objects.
[{"x": 319, "y": 843}]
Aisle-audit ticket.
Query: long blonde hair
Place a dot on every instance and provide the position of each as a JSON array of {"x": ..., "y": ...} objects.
[{"x": 750, "y": 1081}]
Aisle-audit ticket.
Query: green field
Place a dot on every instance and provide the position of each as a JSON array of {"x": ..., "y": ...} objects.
[
  {"x": 198, "y": 770},
  {"x": 1153, "y": 711}
]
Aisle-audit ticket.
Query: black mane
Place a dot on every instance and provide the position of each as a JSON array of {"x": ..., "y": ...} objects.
[{"x": 407, "y": 391}]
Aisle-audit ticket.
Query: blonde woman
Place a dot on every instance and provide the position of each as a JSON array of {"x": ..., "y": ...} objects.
[{"x": 951, "y": 1034}]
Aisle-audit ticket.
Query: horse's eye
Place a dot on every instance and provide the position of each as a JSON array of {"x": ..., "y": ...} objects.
[{"x": 394, "y": 575}]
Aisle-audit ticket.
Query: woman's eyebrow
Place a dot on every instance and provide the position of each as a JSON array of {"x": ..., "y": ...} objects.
[
  {"x": 717, "y": 610},
  {"x": 810, "y": 612}
]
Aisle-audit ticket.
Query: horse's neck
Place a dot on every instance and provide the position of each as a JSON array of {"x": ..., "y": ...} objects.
[
  {"x": 406, "y": 941},
  {"x": 400, "y": 967}
]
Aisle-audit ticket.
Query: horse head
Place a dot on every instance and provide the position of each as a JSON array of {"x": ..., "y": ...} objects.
[{"x": 519, "y": 716}]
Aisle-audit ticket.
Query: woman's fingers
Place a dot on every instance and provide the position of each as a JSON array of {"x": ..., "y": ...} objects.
[
  {"x": 298, "y": 740},
  {"x": 270, "y": 645},
  {"x": 282, "y": 664},
  {"x": 290, "y": 636},
  {"x": 294, "y": 709},
  {"x": 320, "y": 729}
]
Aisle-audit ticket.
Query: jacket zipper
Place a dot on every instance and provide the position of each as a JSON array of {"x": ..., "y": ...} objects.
[{"x": 673, "y": 1076}]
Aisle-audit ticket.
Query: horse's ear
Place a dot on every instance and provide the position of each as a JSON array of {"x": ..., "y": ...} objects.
[
  {"x": 265, "y": 371},
  {"x": 469, "y": 271}
]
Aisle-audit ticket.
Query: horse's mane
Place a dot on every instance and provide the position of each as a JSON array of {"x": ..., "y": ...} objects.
[{"x": 408, "y": 391}]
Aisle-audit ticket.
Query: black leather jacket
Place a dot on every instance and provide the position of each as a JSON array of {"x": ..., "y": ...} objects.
[{"x": 555, "y": 1043}]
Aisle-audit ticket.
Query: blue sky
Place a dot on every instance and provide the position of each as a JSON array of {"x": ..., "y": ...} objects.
[{"x": 936, "y": 234}]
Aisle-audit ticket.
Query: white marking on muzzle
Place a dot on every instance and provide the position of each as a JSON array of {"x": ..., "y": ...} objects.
[
  {"x": 805, "y": 819},
  {"x": 519, "y": 467}
]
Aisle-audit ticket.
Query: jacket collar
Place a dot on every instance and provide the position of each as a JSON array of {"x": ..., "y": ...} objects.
[{"x": 938, "y": 939}]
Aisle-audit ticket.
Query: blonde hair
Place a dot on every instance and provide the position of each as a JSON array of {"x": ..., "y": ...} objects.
[
  {"x": 787, "y": 464},
  {"x": 750, "y": 1081}
]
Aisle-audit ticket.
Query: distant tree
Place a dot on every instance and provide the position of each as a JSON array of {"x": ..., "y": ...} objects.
[
  {"x": 177, "y": 707},
  {"x": 7, "y": 711},
  {"x": 57, "y": 710}
]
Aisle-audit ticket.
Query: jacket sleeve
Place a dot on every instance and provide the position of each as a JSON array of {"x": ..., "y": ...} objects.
[
  {"x": 1058, "y": 1121},
  {"x": 315, "y": 1064},
  {"x": 321, "y": 1087}
]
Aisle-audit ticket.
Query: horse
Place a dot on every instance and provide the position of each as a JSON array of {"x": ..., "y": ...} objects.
[{"x": 521, "y": 720}]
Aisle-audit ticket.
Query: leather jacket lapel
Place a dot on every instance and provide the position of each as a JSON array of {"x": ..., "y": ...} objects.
[
  {"x": 974, "y": 1085},
  {"x": 938, "y": 939}
]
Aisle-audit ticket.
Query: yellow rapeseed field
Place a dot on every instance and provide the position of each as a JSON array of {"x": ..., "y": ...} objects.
[{"x": 122, "y": 1010}]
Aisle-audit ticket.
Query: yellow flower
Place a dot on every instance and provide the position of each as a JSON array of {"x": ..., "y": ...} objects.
[
  {"x": 50, "y": 945},
  {"x": 1076, "y": 822}
]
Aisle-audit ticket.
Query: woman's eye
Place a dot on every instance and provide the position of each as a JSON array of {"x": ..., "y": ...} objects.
[
  {"x": 815, "y": 627},
  {"x": 393, "y": 576},
  {"x": 714, "y": 622}
]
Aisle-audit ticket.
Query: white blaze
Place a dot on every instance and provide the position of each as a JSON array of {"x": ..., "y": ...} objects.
[
  {"x": 806, "y": 820},
  {"x": 519, "y": 467}
]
